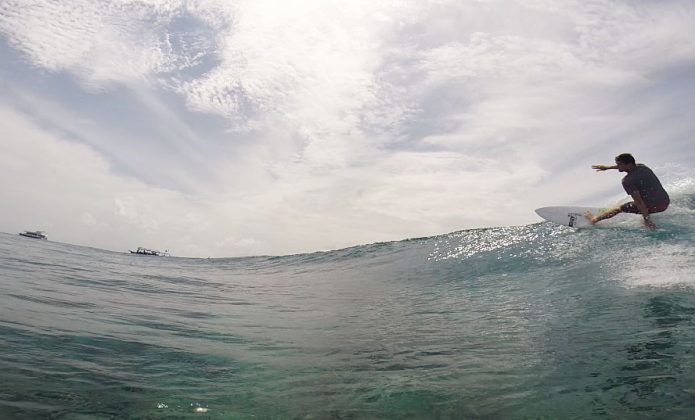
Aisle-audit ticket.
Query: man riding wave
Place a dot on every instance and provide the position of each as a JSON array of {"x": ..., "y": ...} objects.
[{"x": 642, "y": 185}]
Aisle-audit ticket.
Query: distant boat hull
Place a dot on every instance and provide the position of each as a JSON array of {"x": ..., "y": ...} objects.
[
  {"x": 152, "y": 254},
  {"x": 149, "y": 252},
  {"x": 34, "y": 235}
]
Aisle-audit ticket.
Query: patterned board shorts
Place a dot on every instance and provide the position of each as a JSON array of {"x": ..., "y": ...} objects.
[{"x": 630, "y": 207}]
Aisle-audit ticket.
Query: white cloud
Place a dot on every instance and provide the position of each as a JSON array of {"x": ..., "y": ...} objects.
[{"x": 100, "y": 42}]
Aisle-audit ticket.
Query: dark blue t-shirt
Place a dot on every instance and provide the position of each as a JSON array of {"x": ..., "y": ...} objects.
[{"x": 642, "y": 179}]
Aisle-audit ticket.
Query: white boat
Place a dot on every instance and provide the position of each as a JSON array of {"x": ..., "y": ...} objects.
[
  {"x": 147, "y": 251},
  {"x": 39, "y": 234}
]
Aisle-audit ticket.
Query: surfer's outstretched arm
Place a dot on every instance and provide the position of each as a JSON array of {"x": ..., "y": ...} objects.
[{"x": 604, "y": 167}]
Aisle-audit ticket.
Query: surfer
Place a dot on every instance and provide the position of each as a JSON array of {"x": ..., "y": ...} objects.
[{"x": 642, "y": 185}]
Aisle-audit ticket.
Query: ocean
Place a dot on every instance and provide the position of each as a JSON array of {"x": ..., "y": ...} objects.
[{"x": 522, "y": 322}]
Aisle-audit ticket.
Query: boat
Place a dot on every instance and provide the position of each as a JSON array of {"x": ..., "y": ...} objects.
[
  {"x": 147, "y": 251},
  {"x": 39, "y": 234}
]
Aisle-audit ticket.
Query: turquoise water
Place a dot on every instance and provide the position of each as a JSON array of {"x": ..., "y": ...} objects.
[{"x": 536, "y": 321}]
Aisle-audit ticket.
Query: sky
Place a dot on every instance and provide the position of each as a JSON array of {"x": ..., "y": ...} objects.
[{"x": 267, "y": 127}]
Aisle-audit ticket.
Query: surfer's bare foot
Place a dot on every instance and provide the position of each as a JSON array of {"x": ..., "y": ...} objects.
[{"x": 590, "y": 218}]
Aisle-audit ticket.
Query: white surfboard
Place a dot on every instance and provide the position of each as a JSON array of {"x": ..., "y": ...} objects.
[{"x": 568, "y": 216}]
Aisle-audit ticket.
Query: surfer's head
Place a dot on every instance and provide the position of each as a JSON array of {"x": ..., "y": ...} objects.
[{"x": 625, "y": 162}]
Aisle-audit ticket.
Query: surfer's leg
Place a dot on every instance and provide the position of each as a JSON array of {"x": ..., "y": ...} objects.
[
  {"x": 603, "y": 215},
  {"x": 630, "y": 207}
]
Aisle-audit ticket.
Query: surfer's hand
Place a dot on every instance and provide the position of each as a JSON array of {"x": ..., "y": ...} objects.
[{"x": 649, "y": 224}]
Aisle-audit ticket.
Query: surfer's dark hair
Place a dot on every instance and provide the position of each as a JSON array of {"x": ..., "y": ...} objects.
[{"x": 625, "y": 158}]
